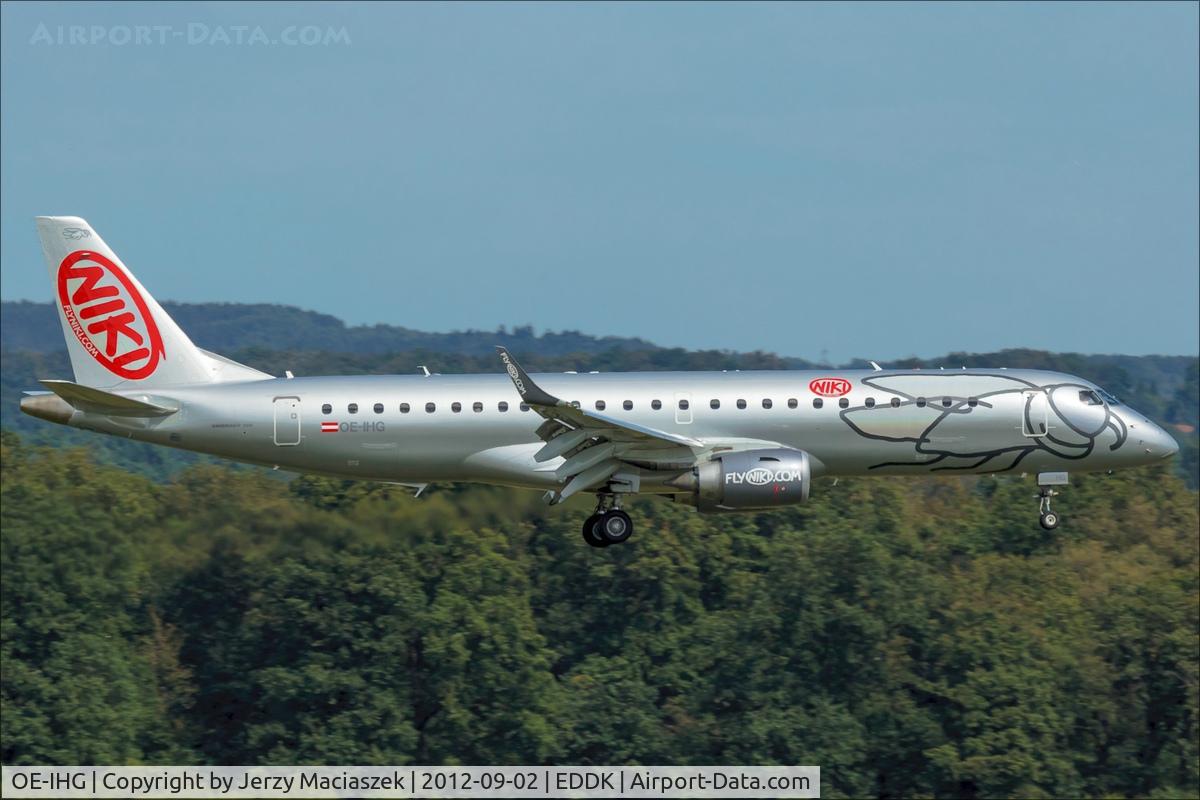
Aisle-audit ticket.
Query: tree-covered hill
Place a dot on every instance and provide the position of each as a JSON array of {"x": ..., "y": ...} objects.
[
  {"x": 230, "y": 327},
  {"x": 915, "y": 638}
]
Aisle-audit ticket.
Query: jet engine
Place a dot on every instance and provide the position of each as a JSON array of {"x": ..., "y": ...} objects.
[{"x": 748, "y": 480}]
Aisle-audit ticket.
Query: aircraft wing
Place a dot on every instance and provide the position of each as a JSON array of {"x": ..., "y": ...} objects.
[{"x": 595, "y": 446}]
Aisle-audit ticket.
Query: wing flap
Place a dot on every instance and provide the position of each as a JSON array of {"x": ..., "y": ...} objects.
[
  {"x": 587, "y": 479},
  {"x": 585, "y": 459},
  {"x": 562, "y": 444}
]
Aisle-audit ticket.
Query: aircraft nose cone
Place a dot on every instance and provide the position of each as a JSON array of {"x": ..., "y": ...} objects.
[
  {"x": 1172, "y": 446},
  {"x": 1150, "y": 442},
  {"x": 1159, "y": 444}
]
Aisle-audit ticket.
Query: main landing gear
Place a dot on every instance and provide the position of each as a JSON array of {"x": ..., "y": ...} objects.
[
  {"x": 1046, "y": 480},
  {"x": 609, "y": 525}
]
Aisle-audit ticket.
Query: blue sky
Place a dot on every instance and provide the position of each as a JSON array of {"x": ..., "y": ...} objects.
[{"x": 859, "y": 180}]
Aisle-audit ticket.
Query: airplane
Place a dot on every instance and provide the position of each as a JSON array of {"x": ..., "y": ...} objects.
[{"x": 718, "y": 441}]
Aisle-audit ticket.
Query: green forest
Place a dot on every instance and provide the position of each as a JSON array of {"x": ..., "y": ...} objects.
[{"x": 914, "y": 637}]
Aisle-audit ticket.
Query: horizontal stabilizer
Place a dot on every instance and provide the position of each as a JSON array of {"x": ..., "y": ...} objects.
[{"x": 98, "y": 401}]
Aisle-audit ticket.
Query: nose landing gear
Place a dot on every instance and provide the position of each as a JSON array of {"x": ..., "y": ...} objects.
[
  {"x": 1046, "y": 480},
  {"x": 1047, "y": 518},
  {"x": 609, "y": 525}
]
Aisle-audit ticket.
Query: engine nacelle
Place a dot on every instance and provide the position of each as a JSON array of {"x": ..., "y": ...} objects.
[{"x": 750, "y": 480}]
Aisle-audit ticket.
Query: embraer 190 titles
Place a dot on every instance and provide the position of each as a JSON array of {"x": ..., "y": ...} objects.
[{"x": 719, "y": 441}]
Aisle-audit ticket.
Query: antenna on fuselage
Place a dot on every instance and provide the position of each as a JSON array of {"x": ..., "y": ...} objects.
[
  {"x": 424, "y": 369},
  {"x": 875, "y": 366}
]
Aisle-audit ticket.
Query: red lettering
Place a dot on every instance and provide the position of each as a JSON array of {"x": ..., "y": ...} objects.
[
  {"x": 131, "y": 336},
  {"x": 829, "y": 387},
  {"x": 88, "y": 290},
  {"x": 113, "y": 327},
  {"x": 131, "y": 356},
  {"x": 101, "y": 308}
]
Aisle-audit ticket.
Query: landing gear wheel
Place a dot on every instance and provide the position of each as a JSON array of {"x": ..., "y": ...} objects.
[
  {"x": 591, "y": 531},
  {"x": 1047, "y": 518},
  {"x": 615, "y": 526}
]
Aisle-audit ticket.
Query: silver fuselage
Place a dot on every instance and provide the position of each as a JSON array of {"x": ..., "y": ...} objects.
[{"x": 888, "y": 423}]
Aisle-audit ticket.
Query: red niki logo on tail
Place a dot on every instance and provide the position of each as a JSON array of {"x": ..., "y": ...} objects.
[
  {"x": 107, "y": 314},
  {"x": 829, "y": 387}
]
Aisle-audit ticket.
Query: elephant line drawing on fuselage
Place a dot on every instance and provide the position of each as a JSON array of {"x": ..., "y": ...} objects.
[{"x": 1066, "y": 420}]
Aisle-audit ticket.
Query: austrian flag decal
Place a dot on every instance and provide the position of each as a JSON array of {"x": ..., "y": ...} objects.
[
  {"x": 108, "y": 315},
  {"x": 329, "y": 427}
]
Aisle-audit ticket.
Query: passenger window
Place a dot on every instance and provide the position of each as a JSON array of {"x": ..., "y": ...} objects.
[
  {"x": 627, "y": 405},
  {"x": 818, "y": 402},
  {"x": 656, "y": 404},
  {"x": 793, "y": 402},
  {"x": 524, "y": 407},
  {"x": 1090, "y": 398},
  {"x": 741, "y": 403},
  {"x": 714, "y": 403},
  {"x": 327, "y": 409},
  {"x": 502, "y": 406},
  {"x": 920, "y": 402},
  {"x": 972, "y": 401},
  {"x": 378, "y": 408},
  {"x": 600, "y": 405},
  {"x": 870, "y": 402},
  {"x": 430, "y": 408},
  {"x": 767, "y": 402},
  {"x": 477, "y": 407},
  {"x": 895, "y": 402},
  {"x": 404, "y": 408},
  {"x": 946, "y": 402},
  {"x": 456, "y": 407},
  {"x": 684, "y": 405},
  {"x": 352, "y": 408},
  {"x": 844, "y": 402},
  {"x": 574, "y": 404}
]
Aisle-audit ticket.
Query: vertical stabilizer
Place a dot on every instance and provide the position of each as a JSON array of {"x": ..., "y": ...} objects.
[{"x": 117, "y": 334}]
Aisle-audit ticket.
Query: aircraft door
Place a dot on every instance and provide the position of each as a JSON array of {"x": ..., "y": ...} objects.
[
  {"x": 287, "y": 421},
  {"x": 1035, "y": 408},
  {"x": 683, "y": 408}
]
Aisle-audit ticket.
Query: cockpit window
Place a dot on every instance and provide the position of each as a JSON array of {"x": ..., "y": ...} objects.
[{"x": 1090, "y": 398}]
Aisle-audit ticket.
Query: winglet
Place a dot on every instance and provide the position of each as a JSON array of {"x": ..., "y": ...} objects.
[{"x": 530, "y": 392}]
